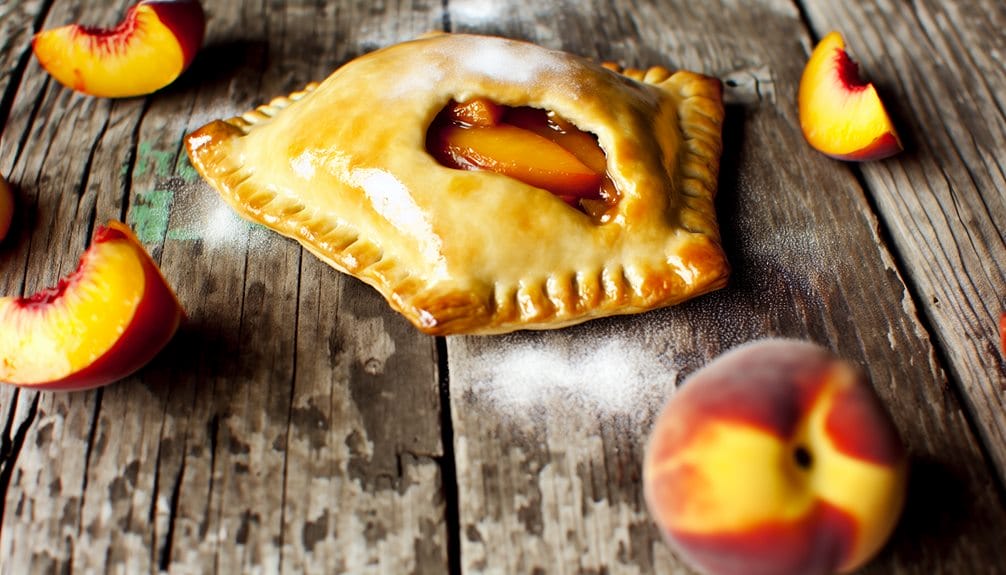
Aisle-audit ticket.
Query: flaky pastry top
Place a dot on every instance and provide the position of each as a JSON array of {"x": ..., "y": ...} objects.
[{"x": 342, "y": 168}]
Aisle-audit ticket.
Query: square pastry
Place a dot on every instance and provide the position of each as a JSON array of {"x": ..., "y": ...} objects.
[{"x": 484, "y": 185}]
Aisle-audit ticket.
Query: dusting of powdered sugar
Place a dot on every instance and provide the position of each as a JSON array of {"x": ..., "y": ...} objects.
[
  {"x": 607, "y": 380},
  {"x": 417, "y": 81},
  {"x": 493, "y": 59},
  {"x": 454, "y": 58},
  {"x": 510, "y": 62}
]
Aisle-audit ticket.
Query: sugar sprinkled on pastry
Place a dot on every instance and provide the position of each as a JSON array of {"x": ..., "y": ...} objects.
[{"x": 485, "y": 185}]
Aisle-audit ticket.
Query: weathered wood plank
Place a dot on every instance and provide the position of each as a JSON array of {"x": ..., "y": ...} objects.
[
  {"x": 17, "y": 24},
  {"x": 18, "y": 21},
  {"x": 939, "y": 66},
  {"x": 548, "y": 453},
  {"x": 56, "y": 209},
  {"x": 293, "y": 424}
]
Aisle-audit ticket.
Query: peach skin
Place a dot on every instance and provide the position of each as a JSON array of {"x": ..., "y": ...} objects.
[
  {"x": 155, "y": 42},
  {"x": 840, "y": 114},
  {"x": 775, "y": 459},
  {"x": 6, "y": 208},
  {"x": 101, "y": 323}
]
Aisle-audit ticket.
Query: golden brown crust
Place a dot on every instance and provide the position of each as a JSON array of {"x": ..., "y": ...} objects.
[{"x": 341, "y": 167}]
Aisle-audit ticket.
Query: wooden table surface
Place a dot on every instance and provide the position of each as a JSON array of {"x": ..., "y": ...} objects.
[{"x": 296, "y": 424}]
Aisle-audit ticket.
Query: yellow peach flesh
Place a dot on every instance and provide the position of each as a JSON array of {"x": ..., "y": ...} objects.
[
  {"x": 549, "y": 125},
  {"x": 520, "y": 154},
  {"x": 140, "y": 56},
  {"x": 839, "y": 115},
  {"x": 101, "y": 322},
  {"x": 50, "y": 340}
]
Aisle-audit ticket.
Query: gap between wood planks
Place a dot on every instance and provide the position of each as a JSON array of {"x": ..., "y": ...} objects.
[
  {"x": 289, "y": 411},
  {"x": 914, "y": 291},
  {"x": 7, "y": 101},
  {"x": 942, "y": 359},
  {"x": 448, "y": 465},
  {"x": 10, "y": 446}
]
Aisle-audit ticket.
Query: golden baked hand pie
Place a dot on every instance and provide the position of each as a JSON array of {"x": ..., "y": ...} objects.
[{"x": 410, "y": 168}]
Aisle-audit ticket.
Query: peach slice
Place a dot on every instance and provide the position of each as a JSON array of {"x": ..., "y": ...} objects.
[
  {"x": 549, "y": 125},
  {"x": 775, "y": 458},
  {"x": 155, "y": 42},
  {"x": 520, "y": 154},
  {"x": 101, "y": 323},
  {"x": 581, "y": 144},
  {"x": 6, "y": 208},
  {"x": 840, "y": 114},
  {"x": 481, "y": 112}
]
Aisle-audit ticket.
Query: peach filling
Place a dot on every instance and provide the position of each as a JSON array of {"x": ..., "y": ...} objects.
[{"x": 535, "y": 146}]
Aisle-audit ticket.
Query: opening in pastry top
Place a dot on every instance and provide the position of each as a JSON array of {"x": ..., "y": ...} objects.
[{"x": 535, "y": 146}]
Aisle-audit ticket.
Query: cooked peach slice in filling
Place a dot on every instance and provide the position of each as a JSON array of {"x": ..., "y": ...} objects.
[
  {"x": 532, "y": 145},
  {"x": 520, "y": 154},
  {"x": 476, "y": 112},
  {"x": 550, "y": 125}
]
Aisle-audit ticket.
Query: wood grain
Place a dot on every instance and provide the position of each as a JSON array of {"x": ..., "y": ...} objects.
[
  {"x": 557, "y": 479},
  {"x": 294, "y": 422},
  {"x": 939, "y": 67},
  {"x": 17, "y": 411}
]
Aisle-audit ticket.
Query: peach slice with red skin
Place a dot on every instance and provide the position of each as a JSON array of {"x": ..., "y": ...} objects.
[
  {"x": 775, "y": 459},
  {"x": 155, "y": 42},
  {"x": 840, "y": 114},
  {"x": 99, "y": 324},
  {"x": 6, "y": 208}
]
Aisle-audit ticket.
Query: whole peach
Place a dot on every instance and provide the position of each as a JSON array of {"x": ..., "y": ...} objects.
[{"x": 774, "y": 459}]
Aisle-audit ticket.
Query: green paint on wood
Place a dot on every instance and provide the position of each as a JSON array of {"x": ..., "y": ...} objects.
[
  {"x": 183, "y": 168},
  {"x": 148, "y": 158},
  {"x": 163, "y": 164},
  {"x": 149, "y": 215},
  {"x": 184, "y": 234}
]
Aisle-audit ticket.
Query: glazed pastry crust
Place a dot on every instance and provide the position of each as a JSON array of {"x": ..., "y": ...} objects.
[{"x": 342, "y": 168}]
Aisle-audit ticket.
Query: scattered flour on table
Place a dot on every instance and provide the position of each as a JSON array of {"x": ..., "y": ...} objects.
[
  {"x": 615, "y": 379},
  {"x": 470, "y": 12}
]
